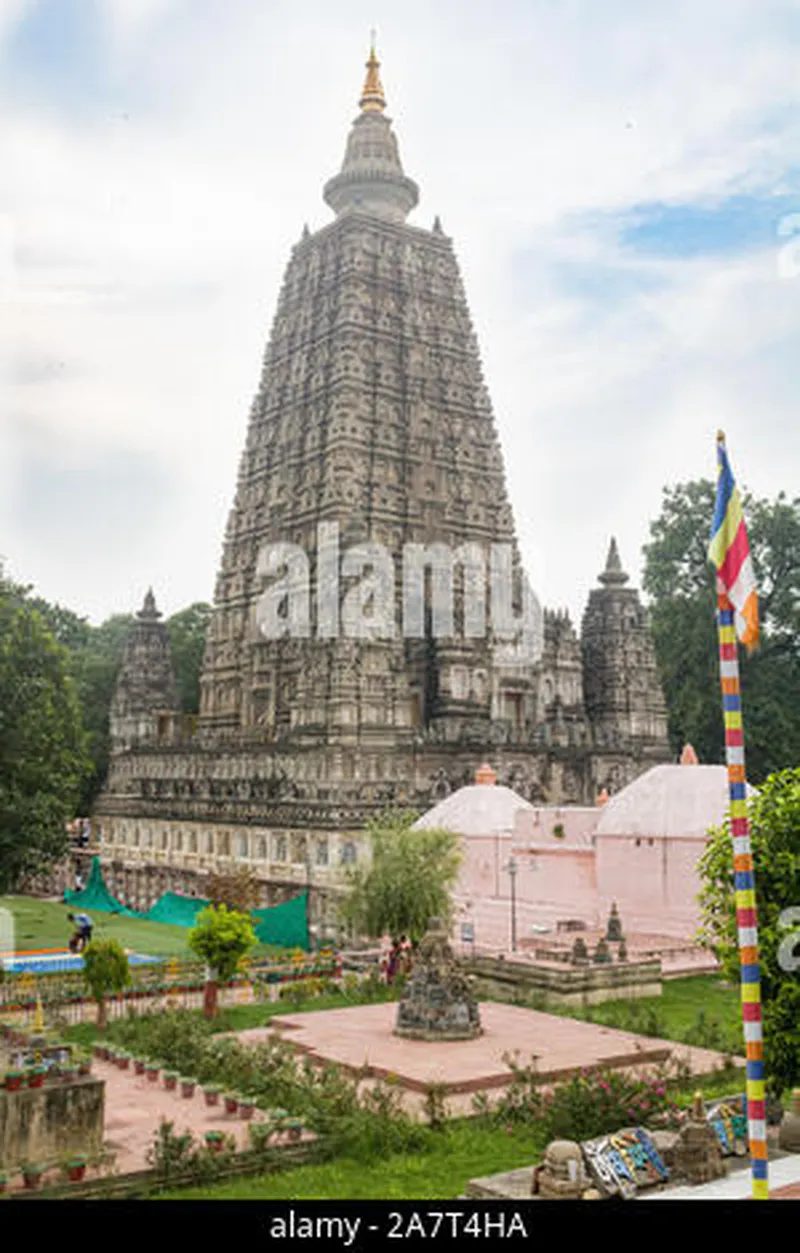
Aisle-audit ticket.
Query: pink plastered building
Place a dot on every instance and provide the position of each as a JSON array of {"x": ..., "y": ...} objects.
[{"x": 565, "y": 865}]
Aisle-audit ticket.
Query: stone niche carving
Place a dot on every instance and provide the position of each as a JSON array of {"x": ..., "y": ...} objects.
[{"x": 439, "y": 1002}]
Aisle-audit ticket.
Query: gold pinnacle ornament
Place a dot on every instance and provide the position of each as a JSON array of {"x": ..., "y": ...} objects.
[{"x": 372, "y": 97}]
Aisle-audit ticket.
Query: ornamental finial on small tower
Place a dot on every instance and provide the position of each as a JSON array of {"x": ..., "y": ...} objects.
[
  {"x": 148, "y": 611},
  {"x": 613, "y": 573},
  {"x": 372, "y": 97}
]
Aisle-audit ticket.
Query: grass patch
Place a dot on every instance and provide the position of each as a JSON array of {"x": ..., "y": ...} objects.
[
  {"x": 42, "y": 924},
  {"x": 700, "y": 1010},
  {"x": 463, "y": 1150}
]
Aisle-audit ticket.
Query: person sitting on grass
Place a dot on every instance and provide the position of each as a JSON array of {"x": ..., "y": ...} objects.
[{"x": 83, "y": 932}]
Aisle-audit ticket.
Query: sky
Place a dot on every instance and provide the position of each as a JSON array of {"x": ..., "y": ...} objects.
[{"x": 621, "y": 182}]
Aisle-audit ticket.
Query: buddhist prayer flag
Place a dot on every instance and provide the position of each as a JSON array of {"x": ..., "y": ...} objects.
[
  {"x": 737, "y": 616},
  {"x": 729, "y": 552}
]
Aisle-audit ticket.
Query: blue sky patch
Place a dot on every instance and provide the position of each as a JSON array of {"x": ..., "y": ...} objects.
[
  {"x": 57, "y": 53},
  {"x": 736, "y": 224}
]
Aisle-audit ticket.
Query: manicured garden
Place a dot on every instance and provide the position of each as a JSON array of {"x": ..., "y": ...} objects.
[{"x": 372, "y": 1148}]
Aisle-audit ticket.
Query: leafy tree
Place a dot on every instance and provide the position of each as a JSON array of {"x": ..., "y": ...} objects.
[
  {"x": 187, "y": 637},
  {"x": 775, "y": 838},
  {"x": 107, "y": 972},
  {"x": 221, "y": 938},
  {"x": 96, "y": 666},
  {"x": 408, "y": 882},
  {"x": 680, "y": 583},
  {"x": 43, "y": 760}
]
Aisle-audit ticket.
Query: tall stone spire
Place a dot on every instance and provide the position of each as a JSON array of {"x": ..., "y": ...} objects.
[{"x": 371, "y": 179}]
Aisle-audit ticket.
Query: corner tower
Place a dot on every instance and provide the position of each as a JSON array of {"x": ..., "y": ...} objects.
[
  {"x": 624, "y": 698},
  {"x": 145, "y": 690}
]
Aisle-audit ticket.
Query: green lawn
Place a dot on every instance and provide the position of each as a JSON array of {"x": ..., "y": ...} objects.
[
  {"x": 700, "y": 1010},
  {"x": 462, "y": 1151},
  {"x": 43, "y": 924}
]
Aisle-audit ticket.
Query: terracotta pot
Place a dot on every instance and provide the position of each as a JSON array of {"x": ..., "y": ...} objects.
[
  {"x": 153, "y": 1073},
  {"x": 246, "y": 1112},
  {"x": 124, "y": 1063},
  {"x": 13, "y": 1083},
  {"x": 139, "y": 1067},
  {"x": 32, "y": 1179},
  {"x": 170, "y": 1084},
  {"x": 212, "y": 1098},
  {"x": 187, "y": 1090},
  {"x": 35, "y": 1081},
  {"x": 76, "y": 1173},
  {"x": 231, "y": 1105}
]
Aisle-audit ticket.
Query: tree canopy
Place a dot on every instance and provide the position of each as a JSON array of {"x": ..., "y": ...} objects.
[
  {"x": 775, "y": 839},
  {"x": 187, "y": 636},
  {"x": 408, "y": 881},
  {"x": 680, "y": 584},
  {"x": 43, "y": 758}
]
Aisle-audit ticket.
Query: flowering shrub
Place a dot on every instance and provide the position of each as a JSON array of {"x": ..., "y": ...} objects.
[{"x": 590, "y": 1103}]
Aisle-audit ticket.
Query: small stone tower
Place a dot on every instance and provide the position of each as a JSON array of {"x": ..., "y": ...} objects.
[
  {"x": 622, "y": 688},
  {"x": 146, "y": 692}
]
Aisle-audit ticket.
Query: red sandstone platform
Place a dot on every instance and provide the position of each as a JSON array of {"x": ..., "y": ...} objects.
[{"x": 361, "y": 1038}]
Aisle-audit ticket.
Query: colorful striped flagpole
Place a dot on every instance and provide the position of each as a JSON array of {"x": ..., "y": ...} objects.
[
  {"x": 746, "y": 922},
  {"x": 729, "y": 550}
]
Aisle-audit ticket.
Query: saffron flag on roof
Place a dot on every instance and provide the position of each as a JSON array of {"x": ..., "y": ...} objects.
[{"x": 729, "y": 551}]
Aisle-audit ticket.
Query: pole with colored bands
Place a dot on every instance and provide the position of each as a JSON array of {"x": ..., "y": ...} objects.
[{"x": 744, "y": 882}]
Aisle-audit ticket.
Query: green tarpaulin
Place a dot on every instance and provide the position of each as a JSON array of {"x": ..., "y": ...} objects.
[
  {"x": 96, "y": 895},
  {"x": 285, "y": 926}
]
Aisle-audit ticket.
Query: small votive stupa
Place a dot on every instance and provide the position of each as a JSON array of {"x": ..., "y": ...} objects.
[{"x": 438, "y": 1003}]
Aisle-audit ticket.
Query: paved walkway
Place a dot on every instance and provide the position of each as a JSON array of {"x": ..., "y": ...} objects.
[{"x": 784, "y": 1179}]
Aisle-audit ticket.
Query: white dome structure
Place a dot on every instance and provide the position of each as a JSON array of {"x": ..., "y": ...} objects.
[
  {"x": 479, "y": 809},
  {"x": 669, "y": 801}
]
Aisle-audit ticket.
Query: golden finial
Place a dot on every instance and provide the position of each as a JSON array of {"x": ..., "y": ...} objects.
[{"x": 372, "y": 98}]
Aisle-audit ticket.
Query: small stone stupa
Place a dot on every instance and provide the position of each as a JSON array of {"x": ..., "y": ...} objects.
[{"x": 438, "y": 1003}]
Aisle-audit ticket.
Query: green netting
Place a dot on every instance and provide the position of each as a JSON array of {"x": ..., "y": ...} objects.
[
  {"x": 179, "y": 911},
  {"x": 96, "y": 895},
  {"x": 285, "y": 926}
]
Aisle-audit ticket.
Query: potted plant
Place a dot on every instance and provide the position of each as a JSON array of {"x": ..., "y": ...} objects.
[
  {"x": 76, "y": 1167},
  {"x": 231, "y": 1102},
  {"x": 36, "y": 1076},
  {"x": 170, "y": 1080},
  {"x": 32, "y": 1174},
  {"x": 100, "y": 1051},
  {"x": 3, "y": 1182},
  {"x": 14, "y": 1080},
  {"x": 124, "y": 1060},
  {"x": 139, "y": 1065},
  {"x": 294, "y": 1128},
  {"x": 211, "y": 1092},
  {"x": 84, "y": 1064},
  {"x": 188, "y": 1086},
  {"x": 153, "y": 1071},
  {"x": 246, "y": 1107},
  {"x": 214, "y": 1141}
]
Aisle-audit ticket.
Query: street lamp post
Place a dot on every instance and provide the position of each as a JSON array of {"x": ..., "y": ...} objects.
[{"x": 512, "y": 874}]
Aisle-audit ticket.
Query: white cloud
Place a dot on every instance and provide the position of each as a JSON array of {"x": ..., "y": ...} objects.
[{"x": 151, "y": 236}]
